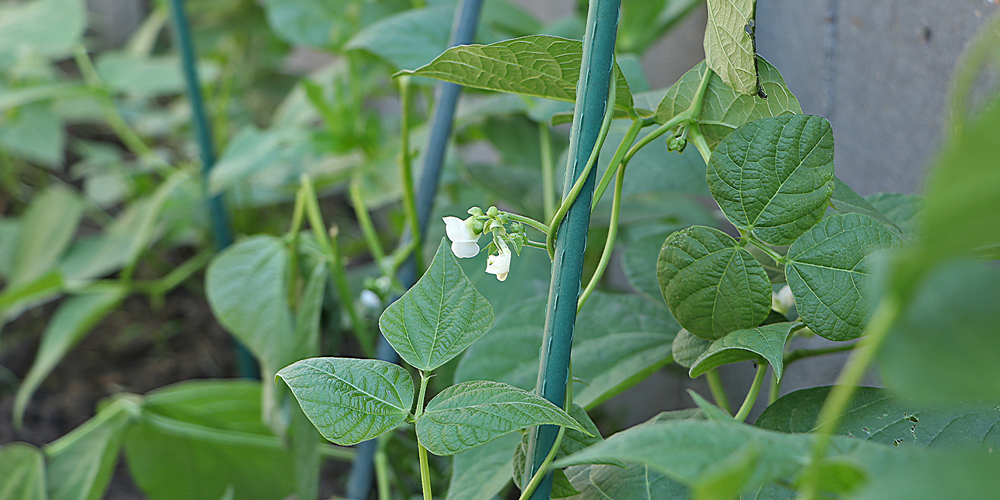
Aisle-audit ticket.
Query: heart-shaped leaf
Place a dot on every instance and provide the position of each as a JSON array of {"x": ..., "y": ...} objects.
[
  {"x": 766, "y": 342},
  {"x": 350, "y": 400},
  {"x": 710, "y": 285},
  {"x": 774, "y": 176},
  {"x": 438, "y": 317},
  {"x": 729, "y": 49},
  {"x": 828, "y": 270},
  {"x": 469, "y": 414}
]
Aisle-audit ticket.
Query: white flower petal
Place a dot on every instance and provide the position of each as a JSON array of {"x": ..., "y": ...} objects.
[
  {"x": 464, "y": 250},
  {"x": 458, "y": 231},
  {"x": 499, "y": 264}
]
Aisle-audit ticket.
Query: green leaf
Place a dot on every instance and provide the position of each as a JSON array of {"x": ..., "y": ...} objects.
[
  {"x": 482, "y": 472},
  {"x": 534, "y": 65},
  {"x": 710, "y": 285},
  {"x": 643, "y": 22},
  {"x": 619, "y": 340},
  {"x": 828, "y": 270},
  {"x": 723, "y": 109},
  {"x": 71, "y": 322},
  {"x": 469, "y": 414},
  {"x": 876, "y": 415},
  {"x": 959, "y": 475},
  {"x": 10, "y": 234},
  {"x": 47, "y": 28},
  {"x": 198, "y": 438},
  {"x": 687, "y": 348},
  {"x": 15, "y": 299},
  {"x": 35, "y": 133},
  {"x": 944, "y": 345},
  {"x": 350, "y": 400},
  {"x": 634, "y": 482},
  {"x": 52, "y": 216},
  {"x": 40, "y": 92},
  {"x": 766, "y": 342},
  {"x": 23, "y": 469},
  {"x": 438, "y": 317},
  {"x": 409, "y": 39},
  {"x": 80, "y": 464},
  {"x": 148, "y": 76},
  {"x": 313, "y": 23},
  {"x": 845, "y": 200},
  {"x": 572, "y": 442},
  {"x": 902, "y": 209},
  {"x": 729, "y": 49},
  {"x": 774, "y": 176},
  {"x": 249, "y": 151}
]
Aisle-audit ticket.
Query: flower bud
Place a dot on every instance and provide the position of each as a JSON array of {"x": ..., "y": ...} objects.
[
  {"x": 475, "y": 211},
  {"x": 492, "y": 212}
]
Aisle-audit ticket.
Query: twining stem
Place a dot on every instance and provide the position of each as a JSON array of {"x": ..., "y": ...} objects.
[
  {"x": 406, "y": 165},
  {"x": 548, "y": 171},
  {"x": 829, "y": 417},
  {"x": 718, "y": 392},
  {"x": 751, "y": 398},
  {"x": 425, "y": 470},
  {"x": 544, "y": 468},
  {"x": 623, "y": 147},
  {"x": 793, "y": 356},
  {"x": 529, "y": 221},
  {"x": 365, "y": 221},
  {"x": 609, "y": 243},
  {"x": 609, "y": 113}
]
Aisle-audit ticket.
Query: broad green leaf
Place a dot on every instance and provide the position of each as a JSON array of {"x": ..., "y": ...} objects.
[
  {"x": 350, "y": 400},
  {"x": 198, "y": 438},
  {"x": 438, "y": 317},
  {"x": 687, "y": 348},
  {"x": 52, "y": 216},
  {"x": 35, "y": 133},
  {"x": 409, "y": 39},
  {"x": 21, "y": 96},
  {"x": 643, "y": 22},
  {"x": 469, "y": 414},
  {"x": 709, "y": 410},
  {"x": 729, "y": 49},
  {"x": 15, "y": 299},
  {"x": 845, "y": 200},
  {"x": 313, "y": 23},
  {"x": 634, "y": 482},
  {"x": 482, "y": 472},
  {"x": 23, "y": 469},
  {"x": 534, "y": 65},
  {"x": 723, "y": 109},
  {"x": 71, "y": 322},
  {"x": 959, "y": 475},
  {"x": 572, "y": 442},
  {"x": 774, "y": 176},
  {"x": 47, "y": 28},
  {"x": 828, "y": 270},
  {"x": 766, "y": 342},
  {"x": 639, "y": 264},
  {"x": 902, "y": 209},
  {"x": 876, "y": 415},
  {"x": 80, "y": 464},
  {"x": 618, "y": 341},
  {"x": 148, "y": 76},
  {"x": 710, "y": 285},
  {"x": 944, "y": 345},
  {"x": 249, "y": 151}
]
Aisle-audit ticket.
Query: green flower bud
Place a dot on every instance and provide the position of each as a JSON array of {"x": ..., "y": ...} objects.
[
  {"x": 475, "y": 211},
  {"x": 477, "y": 226},
  {"x": 492, "y": 212}
]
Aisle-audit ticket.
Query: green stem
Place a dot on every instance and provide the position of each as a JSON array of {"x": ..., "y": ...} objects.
[
  {"x": 699, "y": 97},
  {"x": 695, "y": 137},
  {"x": 751, "y": 398},
  {"x": 772, "y": 396},
  {"x": 609, "y": 113},
  {"x": 755, "y": 241},
  {"x": 382, "y": 469},
  {"x": 609, "y": 243},
  {"x": 529, "y": 221},
  {"x": 718, "y": 392},
  {"x": 406, "y": 165},
  {"x": 829, "y": 417},
  {"x": 158, "y": 288},
  {"x": 338, "y": 268},
  {"x": 314, "y": 216},
  {"x": 365, "y": 221},
  {"x": 544, "y": 468},
  {"x": 425, "y": 472},
  {"x": 798, "y": 354},
  {"x": 297, "y": 213},
  {"x": 534, "y": 244},
  {"x": 623, "y": 147},
  {"x": 548, "y": 171}
]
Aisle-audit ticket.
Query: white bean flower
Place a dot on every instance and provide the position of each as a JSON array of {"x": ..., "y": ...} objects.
[
  {"x": 499, "y": 264},
  {"x": 464, "y": 241},
  {"x": 783, "y": 300}
]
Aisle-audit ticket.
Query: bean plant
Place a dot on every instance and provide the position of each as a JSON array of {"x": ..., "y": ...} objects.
[{"x": 904, "y": 283}]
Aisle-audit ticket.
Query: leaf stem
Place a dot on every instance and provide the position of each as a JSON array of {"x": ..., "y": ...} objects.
[
  {"x": 751, "y": 398},
  {"x": 694, "y": 135},
  {"x": 529, "y": 221},
  {"x": 534, "y": 244},
  {"x": 365, "y": 221},
  {"x": 406, "y": 165},
  {"x": 609, "y": 243},
  {"x": 764, "y": 247},
  {"x": 772, "y": 395},
  {"x": 718, "y": 392},
  {"x": 793, "y": 356},
  {"x": 829, "y": 416},
  {"x": 623, "y": 147},
  {"x": 548, "y": 171},
  {"x": 425, "y": 472},
  {"x": 544, "y": 468},
  {"x": 382, "y": 469}
]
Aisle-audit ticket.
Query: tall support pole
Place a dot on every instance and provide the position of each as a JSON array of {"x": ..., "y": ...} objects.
[
  {"x": 446, "y": 98},
  {"x": 567, "y": 266}
]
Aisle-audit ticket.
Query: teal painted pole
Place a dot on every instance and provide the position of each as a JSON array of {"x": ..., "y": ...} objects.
[{"x": 571, "y": 238}]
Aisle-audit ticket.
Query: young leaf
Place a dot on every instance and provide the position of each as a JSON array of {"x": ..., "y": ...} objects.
[
  {"x": 71, "y": 322},
  {"x": 438, "y": 317},
  {"x": 828, "y": 270},
  {"x": 766, "y": 342},
  {"x": 534, "y": 65},
  {"x": 712, "y": 286},
  {"x": 350, "y": 400},
  {"x": 23, "y": 469},
  {"x": 729, "y": 49},
  {"x": 482, "y": 472},
  {"x": 687, "y": 348},
  {"x": 877, "y": 415},
  {"x": 774, "y": 176},
  {"x": 723, "y": 109},
  {"x": 52, "y": 218},
  {"x": 469, "y": 414}
]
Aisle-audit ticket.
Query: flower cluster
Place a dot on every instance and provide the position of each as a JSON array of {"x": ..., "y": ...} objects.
[{"x": 465, "y": 234}]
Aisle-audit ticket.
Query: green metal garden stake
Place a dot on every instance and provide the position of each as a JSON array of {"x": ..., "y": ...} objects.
[{"x": 567, "y": 266}]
